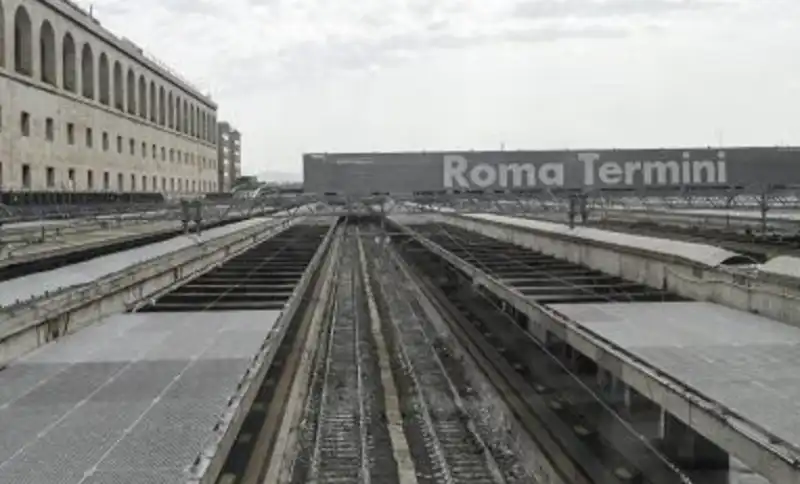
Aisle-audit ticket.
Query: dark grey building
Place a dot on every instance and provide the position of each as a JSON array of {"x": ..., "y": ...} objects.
[{"x": 229, "y": 155}]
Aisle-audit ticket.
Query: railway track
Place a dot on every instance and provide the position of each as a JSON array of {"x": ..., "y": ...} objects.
[{"x": 468, "y": 392}]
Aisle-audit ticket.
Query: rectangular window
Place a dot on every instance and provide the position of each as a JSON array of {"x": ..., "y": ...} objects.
[
  {"x": 132, "y": 146},
  {"x": 120, "y": 182},
  {"x": 144, "y": 149},
  {"x": 144, "y": 183},
  {"x": 90, "y": 180},
  {"x": 26, "y": 175},
  {"x": 155, "y": 152},
  {"x": 49, "y": 131},
  {"x": 70, "y": 134},
  {"x": 171, "y": 154},
  {"x": 106, "y": 180},
  {"x": 133, "y": 183},
  {"x": 89, "y": 138},
  {"x": 163, "y": 154},
  {"x": 25, "y": 123},
  {"x": 71, "y": 178},
  {"x": 119, "y": 144},
  {"x": 51, "y": 177},
  {"x": 105, "y": 141}
]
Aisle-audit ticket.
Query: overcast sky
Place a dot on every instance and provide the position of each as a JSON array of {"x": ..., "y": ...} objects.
[{"x": 368, "y": 75}]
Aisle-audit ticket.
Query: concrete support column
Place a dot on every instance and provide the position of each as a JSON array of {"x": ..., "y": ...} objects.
[
  {"x": 644, "y": 415},
  {"x": 692, "y": 451}
]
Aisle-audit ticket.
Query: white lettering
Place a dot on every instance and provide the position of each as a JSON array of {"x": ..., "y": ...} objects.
[
  {"x": 455, "y": 167},
  {"x": 661, "y": 172},
  {"x": 552, "y": 174},
  {"x": 610, "y": 173},
  {"x": 686, "y": 168},
  {"x": 483, "y": 175},
  {"x": 517, "y": 171},
  {"x": 631, "y": 168},
  {"x": 707, "y": 166},
  {"x": 722, "y": 168},
  {"x": 588, "y": 160}
]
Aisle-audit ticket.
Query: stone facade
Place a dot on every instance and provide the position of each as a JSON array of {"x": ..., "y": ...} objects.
[{"x": 81, "y": 109}]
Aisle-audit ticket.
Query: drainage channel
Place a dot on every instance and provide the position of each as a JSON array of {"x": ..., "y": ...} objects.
[
  {"x": 263, "y": 278},
  {"x": 576, "y": 409}
]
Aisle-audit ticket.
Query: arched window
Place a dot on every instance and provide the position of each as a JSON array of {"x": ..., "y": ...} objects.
[
  {"x": 2, "y": 36},
  {"x": 87, "y": 71},
  {"x": 105, "y": 80},
  {"x": 153, "y": 107},
  {"x": 119, "y": 89},
  {"x": 68, "y": 63},
  {"x": 185, "y": 116},
  {"x": 23, "y": 53},
  {"x": 171, "y": 111},
  {"x": 47, "y": 53},
  {"x": 178, "y": 118},
  {"x": 142, "y": 97},
  {"x": 162, "y": 106},
  {"x": 191, "y": 120},
  {"x": 131, "y": 84}
]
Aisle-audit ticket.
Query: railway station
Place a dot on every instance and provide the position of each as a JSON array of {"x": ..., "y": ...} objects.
[{"x": 382, "y": 326}]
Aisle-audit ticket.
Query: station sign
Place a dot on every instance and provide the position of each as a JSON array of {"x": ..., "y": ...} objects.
[{"x": 525, "y": 170}]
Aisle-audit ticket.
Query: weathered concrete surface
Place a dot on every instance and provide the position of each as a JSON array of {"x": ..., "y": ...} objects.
[{"x": 764, "y": 453}]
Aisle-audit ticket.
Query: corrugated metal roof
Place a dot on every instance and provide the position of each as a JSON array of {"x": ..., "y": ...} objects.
[
  {"x": 707, "y": 255},
  {"x": 135, "y": 398},
  {"x": 36, "y": 285},
  {"x": 783, "y": 265}
]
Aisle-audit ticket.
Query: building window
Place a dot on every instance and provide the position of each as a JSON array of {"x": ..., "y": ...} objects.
[
  {"x": 132, "y": 146},
  {"x": 144, "y": 183},
  {"x": 155, "y": 183},
  {"x": 105, "y": 141},
  {"x": 171, "y": 184},
  {"x": 133, "y": 182},
  {"x": 144, "y": 149},
  {"x": 89, "y": 138},
  {"x": 71, "y": 178},
  {"x": 51, "y": 177},
  {"x": 119, "y": 144},
  {"x": 26, "y": 175},
  {"x": 163, "y": 154},
  {"x": 70, "y": 134},
  {"x": 25, "y": 123},
  {"x": 120, "y": 182},
  {"x": 90, "y": 180},
  {"x": 49, "y": 131},
  {"x": 155, "y": 152},
  {"x": 106, "y": 180},
  {"x": 171, "y": 154}
]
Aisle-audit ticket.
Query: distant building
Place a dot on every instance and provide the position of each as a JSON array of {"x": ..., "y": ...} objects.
[
  {"x": 82, "y": 109},
  {"x": 229, "y": 156}
]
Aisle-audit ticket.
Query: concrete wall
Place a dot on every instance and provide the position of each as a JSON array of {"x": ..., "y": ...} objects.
[{"x": 62, "y": 104}]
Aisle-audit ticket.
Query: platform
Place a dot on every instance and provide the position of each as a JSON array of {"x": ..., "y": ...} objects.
[
  {"x": 133, "y": 399},
  {"x": 746, "y": 362},
  {"x": 55, "y": 245},
  {"x": 35, "y": 285}
]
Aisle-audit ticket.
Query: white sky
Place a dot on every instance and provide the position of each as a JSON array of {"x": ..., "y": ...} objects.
[{"x": 373, "y": 75}]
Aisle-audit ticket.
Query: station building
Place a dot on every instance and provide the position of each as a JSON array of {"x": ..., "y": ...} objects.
[
  {"x": 229, "y": 155},
  {"x": 84, "y": 110}
]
